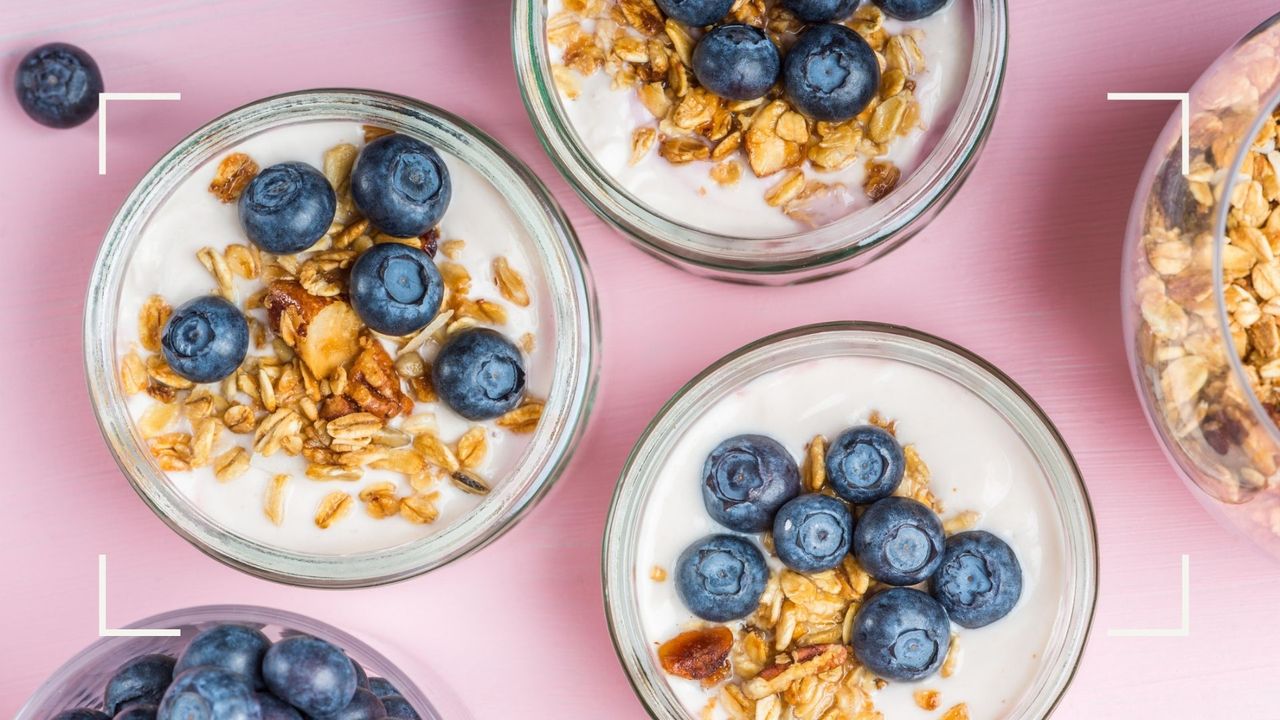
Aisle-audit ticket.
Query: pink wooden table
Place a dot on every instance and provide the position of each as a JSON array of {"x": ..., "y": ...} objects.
[{"x": 1023, "y": 268}]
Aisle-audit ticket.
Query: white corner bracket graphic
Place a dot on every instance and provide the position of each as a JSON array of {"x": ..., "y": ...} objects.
[
  {"x": 102, "y": 118},
  {"x": 103, "y": 630},
  {"x": 1184, "y": 630},
  {"x": 1185, "y": 99}
]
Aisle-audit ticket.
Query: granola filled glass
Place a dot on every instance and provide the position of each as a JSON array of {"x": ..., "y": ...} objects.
[
  {"x": 837, "y": 227},
  {"x": 777, "y": 387},
  {"x": 1202, "y": 289},
  {"x": 277, "y": 407},
  {"x": 80, "y": 682}
]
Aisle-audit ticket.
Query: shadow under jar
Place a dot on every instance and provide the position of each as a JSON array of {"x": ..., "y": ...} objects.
[
  {"x": 1201, "y": 282},
  {"x": 597, "y": 76},
  {"x": 171, "y": 225}
]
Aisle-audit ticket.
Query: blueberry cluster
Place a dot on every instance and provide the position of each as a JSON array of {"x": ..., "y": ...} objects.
[
  {"x": 750, "y": 484},
  {"x": 830, "y": 73},
  {"x": 234, "y": 672}
]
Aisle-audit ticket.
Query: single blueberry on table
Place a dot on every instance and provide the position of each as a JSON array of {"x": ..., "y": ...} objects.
[
  {"x": 364, "y": 705},
  {"x": 205, "y": 339},
  {"x": 813, "y": 533},
  {"x": 310, "y": 674},
  {"x": 479, "y": 374},
  {"x": 696, "y": 12},
  {"x": 979, "y": 580},
  {"x": 746, "y": 479},
  {"x": 382, "y": 687},
  {"x": 737, "y": 62},
  {"x": 816, "y": 11},
  {"x": 830, "y": 73},
  {"x": 910, "y": 9},
  {"x": 721, "y": 577},
  {"x": 395, "y": 289},
  {"x": 287, "y": 208},
  {"x": 865, "y": 464},
  {"x": 235, "y": 648},
  {"x": 137, "y": 711},
  {"x": 82, "y": 714},
  {"x": 209, "y": 693},
  {"x": 901, "y": 634},
  {"x": 399, "y": 708},
  {"x": 58, "y": 85},
  {"x": 401, "y": 184},
  {"x": 899, "y": 541},
  {"x": 141, "y": 680},
  {"x": 273, "y": 708}
]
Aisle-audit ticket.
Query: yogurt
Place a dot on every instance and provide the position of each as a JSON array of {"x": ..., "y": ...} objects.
[
  {"x": 978, "y": 462},
  {"x": 604, "y": 118},
  {"x": 164, "y": 262}
]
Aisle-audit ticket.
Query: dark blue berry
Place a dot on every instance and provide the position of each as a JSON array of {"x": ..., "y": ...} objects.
[
  {"x": 746, "y": 479},
  {"x": 816, "y": 11},
  {"x": 396, "y": 289},
  {"x": 399, "y": 708},
  {"x": 234, "y": 648},
  {"x": 137, "y": 711},
  {"x": 401, "y": 184},
  {"x": 696, "y": 12},
  {"x": 980, "y": 579},
  {"x": 910, "y": 9},
  {"x": 813, "y": 533},
  {"x": 273, "y": 708},
  {"x": 364, "y": 705},
  {"x": 82, "y": 714},
  {"x": 479, "y": 374},
  {"x": 831, "y": 73},
  {"x": 899, "y": 541},
  {"x": 141, "y": 680},
  {"x": 58, "y": 85},
  {"x": 738, "y": 62},
  {"x": 205, "y": 339},
  {"x": 901, "y": 634},
  {"x": 721, "y": 577},
  {"x": 310, "y": 674},
  {"x": 382, "y": 687},
  {"x": 362, "y": 677},
  {"x": 287, "y": 208},
  {"x": 209, "y": 693},
  {"x": 865, "y": 464}
]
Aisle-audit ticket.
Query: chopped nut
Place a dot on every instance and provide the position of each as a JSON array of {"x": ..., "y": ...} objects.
[
  {"x": 926, "y": 699},
  {"x": 697, "y": 654},
  {"x": 658, "y": 573}
]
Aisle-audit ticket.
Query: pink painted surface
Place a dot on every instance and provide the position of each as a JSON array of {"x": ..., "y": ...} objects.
[{"x": 1022, "y": 268}]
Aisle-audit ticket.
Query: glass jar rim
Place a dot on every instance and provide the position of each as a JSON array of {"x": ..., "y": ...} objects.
[
  {"x": 1071, "y": 497},
  {"x": 572, "y": 306}
]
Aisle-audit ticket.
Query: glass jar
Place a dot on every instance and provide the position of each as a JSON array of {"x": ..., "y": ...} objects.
[
  {"x": 840, "y": 246},
  {"x": 1200, "y": 310},
  {"x": 81, "y": 681},
  {"x": 569, "y": 319},
  {"x": 1064, "y": 498}
]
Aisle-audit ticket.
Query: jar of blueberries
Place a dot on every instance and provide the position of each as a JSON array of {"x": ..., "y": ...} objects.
[{"x": 235, "y": 662}]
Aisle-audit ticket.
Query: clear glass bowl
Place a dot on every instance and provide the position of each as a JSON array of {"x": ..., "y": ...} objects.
[
  {"x": 841, "y": 246},
  {"x": 848, "y": 339},
  {"x": 572, "y": 318},
  {"x": 81, "y": 681},
  {"x": 1198, "y": 327}
]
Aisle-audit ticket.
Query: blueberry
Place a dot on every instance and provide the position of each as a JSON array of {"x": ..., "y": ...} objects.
[
  {"x": 980, "y": 579},
  {"x": 746, "y": 479},
  {"x": 58, "y": 85},
  {"x": 721, "y": 577},
  {"x": 382, "y": 687},
  {"x": 137, "y": 711},
  {"x": 696, "y": 12},
  {"x": 396, "y": 289},
  {"x": 287, "y": 208},
  {"x": 234, "y": 648},
  {"x": 910, "y": 9},
  {"x": 899, "y": 541},
  {"x": 310, "y": 674},
  {"x": 479, "y": 373},
  {"x": 901, "y": 634},
  {"x": 141, "y": 680},
  {"x": 273, "y": 708},
  {"x": 738, "y": 62},
  {"x": 813, "y": 533},
  {"x": 401, "y": 185},
  {"x": 865, "y": 464},
  {"x": 209, "y": 693},
  {"x": 205, "y": 339},
  {"x": 82, "y": 714},
  {"x": 362, "y": 677},
  {"x": 831, "y": 73},
  {"x": 817, "y": 11},
  {"x": 364, "y": 705},
  {"x": 399, "y": 708}
]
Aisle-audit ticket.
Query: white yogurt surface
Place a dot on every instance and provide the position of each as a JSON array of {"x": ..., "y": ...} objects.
[
  {"x": 978, "y": 462},
  {"x": 605, "y": 118},
  {"x": 165, "y": 263}
]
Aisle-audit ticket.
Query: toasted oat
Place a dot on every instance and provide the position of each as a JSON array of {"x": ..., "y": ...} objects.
[
  {"x": 523, "y": 419},
  {"x": 338, "y": 161},
  {"x": 641, "y": 143},
  {"x": 726, "y": 173},
  {"x": 133, "y": 374},
  {"x": 231, "y": 464},
  {"x": 966, "y": 520},
  {"x": 436, "y": 452},
  {"x": 234, "y": 174},
  {"x": 217, "y": 266},
  {"x": 156, "y": 419},
  {"x": 332, "y": 508},
  {"x": 274, "y": 502},
  {"x": 151, "y": 320},
  {"x": 206, "y": 434},
  {"x": 957, "y": 712},
  {"x": 239, "y": 418},
  {"x": 380, "y": 500},
  {"x": 510, "y": 283},
  {"x": 926, "y": 699},
  {"x": 952, "y": 662},
  {"x": 472, "y": 447},
  {"x": 244, "y": 261},
  {"x": 420, "y": 509},
  {"x": 815, "y": 464}
]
